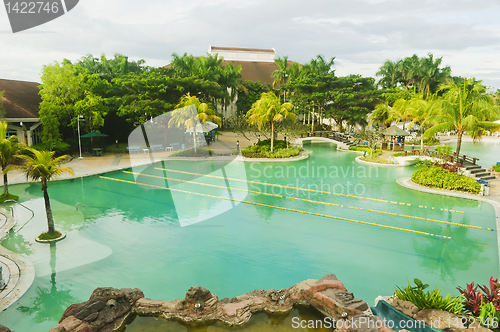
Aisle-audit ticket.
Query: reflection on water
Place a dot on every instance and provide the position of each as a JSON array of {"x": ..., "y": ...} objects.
[
  {"x": 260, "y": 322},
  {"x": 49, "y": 302}
]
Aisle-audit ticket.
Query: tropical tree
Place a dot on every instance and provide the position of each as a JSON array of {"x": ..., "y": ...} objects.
[
  {"x": 463, "y": 108},
  {"x": 184, "y": 118},
  {"x": 9, "y": 151},
  {"x": 381, "y": 115},
  {"x": 269, "y": 109},
  {"x": 42, "y": 166}
]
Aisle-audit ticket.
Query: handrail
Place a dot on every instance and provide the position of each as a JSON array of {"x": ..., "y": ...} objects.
[
  {"x": 24, "y": 206},
  {"x": 76, "y": 206}
]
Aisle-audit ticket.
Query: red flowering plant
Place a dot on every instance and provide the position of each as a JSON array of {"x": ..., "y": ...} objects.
[{"x": 474, "y": 298}]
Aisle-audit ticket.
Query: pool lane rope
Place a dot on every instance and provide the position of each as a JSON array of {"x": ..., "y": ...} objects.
[
  {"x": 304, "y": 189},
  {"x": 280, "y": 208},
  {"x": 307, "y": 200}
]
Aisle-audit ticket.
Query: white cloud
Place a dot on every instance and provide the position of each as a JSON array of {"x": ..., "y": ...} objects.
[{"x": 361, "y": 34}]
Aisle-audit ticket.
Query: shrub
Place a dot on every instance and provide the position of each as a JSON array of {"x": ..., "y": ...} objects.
[
  {"x": 496, "y": 168},
  {"x": 262, "y": 149},
  {"x": 430, "y": 300},
  {"x": 46, "y": 236},
  {"x": 437, "y": 177},
  {"x": 475, "y": 298},
  {"x": 8, "y": 196},
  {"x": 428, "y": 141},
  {"x": 375, "y": 159},
  {"x": 112, "y": 148}
]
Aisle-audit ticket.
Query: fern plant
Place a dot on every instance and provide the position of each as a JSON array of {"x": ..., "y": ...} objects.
[{"x": 430, "y": 300}]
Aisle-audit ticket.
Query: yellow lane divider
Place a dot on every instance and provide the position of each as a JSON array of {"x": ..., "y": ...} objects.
[
  {"x": 304, "y": 200},
  {"x": 295, "y": 188},
  {"x": 282, "y": 208},
  {"x": 203, "y": 184}
]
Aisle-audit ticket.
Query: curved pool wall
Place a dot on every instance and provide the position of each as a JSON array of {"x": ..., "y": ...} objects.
[{"x": 130, "y": 236}]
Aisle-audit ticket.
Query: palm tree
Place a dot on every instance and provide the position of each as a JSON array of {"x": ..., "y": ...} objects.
[
  {"x": 9, "y": 150},
  {"x": 381, "y": 114},
  {"x": 269, "y": 109},
  {"x": 463, "y": 108},
  {"x": 42, "y": 166},
  {"x": 182, "y": 117}
]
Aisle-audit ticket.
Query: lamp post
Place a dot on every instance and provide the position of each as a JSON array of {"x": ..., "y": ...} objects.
[
  {"x": 80, "y": 117},
  {"x": 237, "y": 145},
  {"x": 286, "y": 141}
]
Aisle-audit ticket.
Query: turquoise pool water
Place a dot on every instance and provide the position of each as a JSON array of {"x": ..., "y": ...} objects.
[
  {"x": 487, "y": 150},
  {"x": 130, "y": 235}
]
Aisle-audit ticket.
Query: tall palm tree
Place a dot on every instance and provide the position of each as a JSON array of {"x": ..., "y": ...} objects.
[
  {"x": 182, "y": 117},
  {"x": 463, "y": 108},
  {"x": 381, "y": 114},
  {"x": 269, "y": 109},
  {"x": 9, "y": 151},
  {"x": 390, "y": 74},
  {"x": 42, "y": 166}
]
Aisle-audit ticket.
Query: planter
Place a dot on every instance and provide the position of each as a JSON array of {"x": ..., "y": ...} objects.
[{"x": 63, "y": 235}]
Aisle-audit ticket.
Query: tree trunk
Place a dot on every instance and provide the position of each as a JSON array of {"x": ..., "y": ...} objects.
[
  {"x": 459, "y": 144},
  {"x": 422, "y": 142},
  {"x": 272, "y": 135},
  {"x": 48, "y": 210},
  {"x": 194, "y": 139},
  {"x": 5, "y": 182}
]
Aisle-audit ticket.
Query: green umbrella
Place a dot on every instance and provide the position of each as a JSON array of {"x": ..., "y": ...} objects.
[{"x": 93, "y": 134}]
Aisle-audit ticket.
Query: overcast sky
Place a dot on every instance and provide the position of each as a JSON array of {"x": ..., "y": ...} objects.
[{"x": 360, "y": 34}]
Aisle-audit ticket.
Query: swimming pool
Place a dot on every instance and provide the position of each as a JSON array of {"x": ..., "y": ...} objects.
[{"x": 130, "y": 236}]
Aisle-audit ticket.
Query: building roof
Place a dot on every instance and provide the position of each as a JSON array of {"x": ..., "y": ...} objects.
[
  {"x": 395, "y": 131},
  {"x": 240, "y": 49},
  {"x": 255, "y": 71},
  {"x": 20, "y": 99}
]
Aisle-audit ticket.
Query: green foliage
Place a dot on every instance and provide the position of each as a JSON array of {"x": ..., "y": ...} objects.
[
  {"x": 248, "y": 93},
  {"x": 269, "y": 110},
  {"x": 429, "y": 300},
  {"x": 437, "y": 177},
  {"x": 112, "y": 148},
  {"x": 496, "y": 168},
  {"x": 419, "y": 74},
  {"x": 368, "y": 150},
  {"x": 8, "y": 196},
  {"x": 192, "y": 153},
  {"x": 444, "y": 151},
  {"x": 427, "y": 141},
  {"x": 47, "y": 237},
  {"x": 375, "y": 159},
  {"x": 262, "y": 149},
  {"x": 489, "y": 316}
]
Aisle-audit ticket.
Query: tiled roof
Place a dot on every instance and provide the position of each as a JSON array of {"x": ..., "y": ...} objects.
[
  {"x": 256, "y": 71},
  {"x": 20, "y": 99},
  {"x": 215, "y": 48}
]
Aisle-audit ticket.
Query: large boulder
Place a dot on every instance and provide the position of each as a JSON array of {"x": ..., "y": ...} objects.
[
  {"x": 4, "y": 329},
  {"x": 104, "y": 311}
]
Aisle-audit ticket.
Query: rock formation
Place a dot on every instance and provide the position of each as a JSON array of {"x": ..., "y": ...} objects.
[{"x": 107, "y": 308}]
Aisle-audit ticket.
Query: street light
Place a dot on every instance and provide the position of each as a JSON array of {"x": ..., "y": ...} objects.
[
  {"x": 80, "y": 117},
  {"x": 237, "y": 145},
  {"x": 286, "y": 141}
]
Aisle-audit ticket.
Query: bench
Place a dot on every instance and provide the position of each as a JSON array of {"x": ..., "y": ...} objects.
[
  {"x": 131, "y": 149},
  {"x": 157, "y": 147}
]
